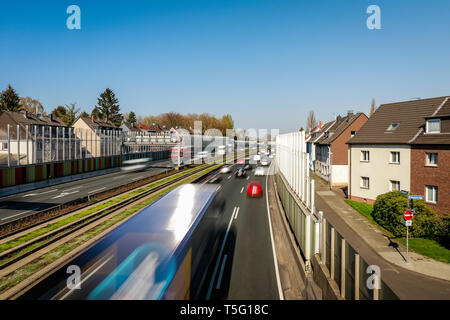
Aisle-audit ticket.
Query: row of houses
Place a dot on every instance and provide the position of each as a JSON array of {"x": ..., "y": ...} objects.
[
  {"x": 40, "y": 138},
  {"x": 403, "y": 146}
]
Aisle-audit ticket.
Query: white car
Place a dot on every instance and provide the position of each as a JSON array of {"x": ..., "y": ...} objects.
[
  {"x": 265, "y": 162},
  {"x": 260, "y": 171},
  {"x": 225, "y": 169}
]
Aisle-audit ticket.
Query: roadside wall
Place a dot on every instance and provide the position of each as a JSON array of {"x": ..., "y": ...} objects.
[{"x": 337, "y": 267}]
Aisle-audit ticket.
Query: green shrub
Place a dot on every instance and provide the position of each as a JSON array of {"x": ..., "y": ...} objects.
[
  {"x": 389, "y": 209},
  {"x": 444, "y": 231}
]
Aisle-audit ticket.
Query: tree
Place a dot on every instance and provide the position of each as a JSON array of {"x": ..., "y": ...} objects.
[
  {"x": 67, "y": 114},
  {"x": 31, "y": 105},
  {"x": 311, "y": 121},
  {"x": 84, "y": 114},
  {"x": 372, "y": 108},
  {"x": 132, "y": 117},
  {"x": 228, "y": 121},
  {"x": 108, "y": 108},
  {"x": 9, "y": 100}
]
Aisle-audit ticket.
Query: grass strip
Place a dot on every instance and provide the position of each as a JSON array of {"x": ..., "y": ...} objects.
[
  {"x": 27, "y": 270},
  {"x": 428, "y": 248},
  {"x": 50, "y": 227}
]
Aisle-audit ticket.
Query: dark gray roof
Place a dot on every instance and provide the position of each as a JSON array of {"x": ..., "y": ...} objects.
[{"x": 410, "y": 116}]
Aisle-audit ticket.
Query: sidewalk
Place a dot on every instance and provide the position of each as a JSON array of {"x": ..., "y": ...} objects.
[{"x": 424, "y": 269}]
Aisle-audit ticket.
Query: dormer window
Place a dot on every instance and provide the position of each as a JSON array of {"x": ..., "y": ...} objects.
[
  {"x": 392, "y": 127},
  {"x": 433, "y": 126}
]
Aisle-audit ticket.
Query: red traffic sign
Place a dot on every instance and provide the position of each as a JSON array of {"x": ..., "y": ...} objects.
[{"x": 409, "y": 214}]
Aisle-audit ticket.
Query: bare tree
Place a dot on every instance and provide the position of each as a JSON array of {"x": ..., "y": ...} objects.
[
  {"x": 372, "y": 107},
  {"x": 311, "y": 121}
]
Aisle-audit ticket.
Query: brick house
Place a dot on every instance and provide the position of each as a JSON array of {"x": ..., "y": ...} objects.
[
  {"x": 404, "y": 146},
  {"x": 331, "y": 150}
]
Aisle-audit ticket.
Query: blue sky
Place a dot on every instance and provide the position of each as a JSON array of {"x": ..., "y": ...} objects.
[{"x": 265, "y": 62}]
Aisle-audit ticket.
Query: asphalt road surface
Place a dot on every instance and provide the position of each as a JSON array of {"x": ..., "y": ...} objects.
[
  {"x": 20, "y": 205},
  {"x": 243, "y": 269}
]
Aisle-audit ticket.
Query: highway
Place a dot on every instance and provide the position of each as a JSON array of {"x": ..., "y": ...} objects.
[
  {"x": 20, "y": 205},
  {"x": 243, "y": 267}
]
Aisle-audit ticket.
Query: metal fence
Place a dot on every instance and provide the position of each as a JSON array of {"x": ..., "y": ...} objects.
[
  {"x": 35, "y": 144},
  {"x": 314, "y": 234}
]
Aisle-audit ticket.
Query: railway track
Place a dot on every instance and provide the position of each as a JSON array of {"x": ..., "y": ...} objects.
[{"x": 12, "y": 258}]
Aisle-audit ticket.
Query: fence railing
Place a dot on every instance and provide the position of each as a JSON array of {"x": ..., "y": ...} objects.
[
  {"x": 36, "y": 144},
  {"x": 318, "y": 239}
]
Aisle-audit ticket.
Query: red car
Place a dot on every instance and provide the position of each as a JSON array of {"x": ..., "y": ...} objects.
[{"x": 254, "y": 189}]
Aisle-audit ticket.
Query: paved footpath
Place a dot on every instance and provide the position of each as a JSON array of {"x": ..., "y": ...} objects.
[{"x": 420, "y": 278}]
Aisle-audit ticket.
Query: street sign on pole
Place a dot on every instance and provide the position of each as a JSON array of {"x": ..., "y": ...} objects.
[
  {"x": 416, "y": 197},
  {"x": 408, "y": 215}
]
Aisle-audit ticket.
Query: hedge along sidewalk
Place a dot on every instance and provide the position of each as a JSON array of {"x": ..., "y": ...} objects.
[
  {"x": 37, "y": 268},
  {"x": 59, "y": 222},
  {"x": 379, "y": 241}
]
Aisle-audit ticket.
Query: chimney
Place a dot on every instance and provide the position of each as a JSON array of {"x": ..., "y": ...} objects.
[
  {"x": 51, "y": 117},
  {"x": 106, "y": 119},
  {"x": 92, "y": 117},
  {"x": 25, "y": 114}
]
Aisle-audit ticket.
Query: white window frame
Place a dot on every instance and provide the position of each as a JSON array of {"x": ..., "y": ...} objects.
[
  {"x": 433, "y": 120},
  {"x": 362, "y": 183},
  {"x": 391, "y": 185},
  {"x": 427, "y": 159},
  {"x": 391, "y": 160},
  {"x": 3, "y": 148},
  {"x": 362, "y": 155},
  {"x": 435, "y": 199}
]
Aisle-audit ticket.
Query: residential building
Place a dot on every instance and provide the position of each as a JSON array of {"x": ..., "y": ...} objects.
[
  {"x": 331, "y": 150},
  {"x": 35, "y": 138},
  {"x": 404, "y": 146},
  {"x": 99, "y": 138}
]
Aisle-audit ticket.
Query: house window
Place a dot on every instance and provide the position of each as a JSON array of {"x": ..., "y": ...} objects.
[
  {"x": 434, "y": 126},
  {"x": 4, "y": 146},
  {"x": 432, "y": 159},
  {"x": 395, "y": 157},
  {"x": 352, "y": 134},
  {"x": 365, "y": 182},
  {"x": 392, "y": 127},
  {"x": 431, "y": 194},
  {"x": 395, "y": 185},
  {"x": 365, "y": 156}
]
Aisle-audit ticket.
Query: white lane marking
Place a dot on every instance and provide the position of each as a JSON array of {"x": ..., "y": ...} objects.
[
  {"x": 140, "y": 177},
  {"x": 219, "y": 281},
  {"x": 236, "y": 213},
  {"x": 65, "y": 194},
  {"x": 275, "y": 261},
  {"x": 87, "y": 277},
  {"x": 248, "y": 177},
  {"x": 229, "y": 177},
  {"x": 18, "y": 214},
  {"x": 208, "y": 295},
  {"x": 38, "y": 194},
  {"x": 97, "y": 190},
  {"x": 72, "y": 189},
  {"x": 242, "y": 189}
]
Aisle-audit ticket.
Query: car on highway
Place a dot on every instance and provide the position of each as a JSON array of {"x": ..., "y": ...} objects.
[
  {"x": 214, "y": 177},
  {"x": 203, "y": 154},
  {"x": 265, "y": 161},
  {"x": 226, "y": 168},
  {"x": 260, "y": 171},
  {"x": 248, "y": 165},
  {"x": 240, "y": 172},
  {"x": 135, "y": 164},
  {"x": 254, "y": 189}
]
